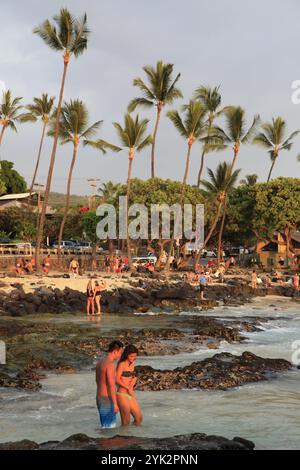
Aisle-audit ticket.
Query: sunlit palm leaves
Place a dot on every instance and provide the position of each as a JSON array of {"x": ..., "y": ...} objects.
[{"x": 273, "y": 139}]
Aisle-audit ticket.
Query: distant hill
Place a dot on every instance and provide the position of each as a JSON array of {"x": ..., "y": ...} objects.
[{"x": 57, "y": 200}]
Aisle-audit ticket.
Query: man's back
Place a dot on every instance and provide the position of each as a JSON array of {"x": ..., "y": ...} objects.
[{"x": 101, "y": 377}]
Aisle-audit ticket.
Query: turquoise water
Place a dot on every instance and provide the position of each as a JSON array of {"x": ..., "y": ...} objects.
[{"x": 267, "y": 413}]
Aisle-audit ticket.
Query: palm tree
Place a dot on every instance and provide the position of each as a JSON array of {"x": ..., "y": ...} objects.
[
  {"x": 109, "y": 190},
  {"x": 132, "y": 137},
  {"x": 236, "y": 132},
  {"x": 39, "y": 110},
  {"x": 217, "y": 190},
  {"x": 68, "y": 35},
  {"x": 9, "y": 112},
  {"x": 191, "y": 128},
  {"x": 74, "y": 128},
  {"x": 249, "y": 180},
  {"x": 160, "y": 91},
  {"x": 274, "y": 140},
  {"x": 211, "y": 100}
]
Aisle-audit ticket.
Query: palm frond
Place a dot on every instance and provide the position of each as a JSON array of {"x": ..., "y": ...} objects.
[{"x": 139, "y": 102}]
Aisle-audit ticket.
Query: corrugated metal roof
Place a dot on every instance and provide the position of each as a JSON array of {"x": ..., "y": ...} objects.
[{"x": 8, "y": 197}]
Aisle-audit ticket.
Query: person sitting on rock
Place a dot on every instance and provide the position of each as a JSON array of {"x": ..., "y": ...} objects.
[
  {"x": 28, "y": 266},
  {"x": 19, "y": 266}
]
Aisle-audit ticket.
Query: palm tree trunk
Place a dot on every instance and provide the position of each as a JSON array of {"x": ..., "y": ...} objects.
[
  {"x": 221, "y": 234},
  {"x": 62, "y": 225},
  {"x": 159, "y": 108},
  {"x": 131, "y": 155},
  {"x": 186, "y": 172},
  {"x": 208, "y": 236},
  {"x": 38, "y": 159},
  {"x": 271, "y": 169},
  {"x": 51, "y": 167},
  {"x": 201, "y": 169},
  {"x": 2, "y": 133},
  {"x": 235, "y": 155}
]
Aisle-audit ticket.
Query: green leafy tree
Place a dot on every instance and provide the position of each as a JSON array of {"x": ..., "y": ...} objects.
[
  {"x": 277, "y": 208},
  {"x": 273, "y": 139},
  {"x": 9, "y": 112},
  {"x": 160, "y": 91},
  {"x": 39, "y": 110},
  {"x": 12, "y": 180},
  {"x": 69, "y": 36}
]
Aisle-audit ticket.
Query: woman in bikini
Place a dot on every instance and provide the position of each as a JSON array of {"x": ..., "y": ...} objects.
[
  {"x": 126, "y": 380},
  {"x": 90, "y": 298},
  {"x": 97, "y": 295}
]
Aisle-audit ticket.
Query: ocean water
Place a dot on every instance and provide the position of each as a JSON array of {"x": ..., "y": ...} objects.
[{"x": 267, "y": 413}]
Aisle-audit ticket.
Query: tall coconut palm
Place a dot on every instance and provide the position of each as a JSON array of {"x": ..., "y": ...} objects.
[
  {"x": 39, "y": 110},
  {"x": 190, "y": 127},
  {"x": 249, "y": 180},
  {"x": 273, "y": 139},
  {"x": 211, "y": 100},
  {"x": 68, "y": 35},
  {"x": 132, "y": 137},
  {"x": 9, "y": 112},
  {"x": 236, "y": 132},
  {"x": 161, "y": 90},
  {"x": 216, "y": 190},
  {"x": 74, "y": 128}
]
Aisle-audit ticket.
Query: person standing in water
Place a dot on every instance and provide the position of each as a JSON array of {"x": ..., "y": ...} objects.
[
  {"x": 106, "y": 398},
  {"x": 90, "y": 305},
  {"x": 97, "y": 295},
  {"x": 126, "y": 380}
]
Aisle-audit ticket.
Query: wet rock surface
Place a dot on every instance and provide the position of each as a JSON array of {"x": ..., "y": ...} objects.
[
  {"x": 182, "y": 442},
  {"x": 220, "y": 372},
  {"x": 142, "y": 295},
  {"x": 35, "y": 347}
]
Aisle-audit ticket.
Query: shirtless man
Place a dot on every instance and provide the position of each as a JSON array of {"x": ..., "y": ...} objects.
[{"x": 106, "y": 386}]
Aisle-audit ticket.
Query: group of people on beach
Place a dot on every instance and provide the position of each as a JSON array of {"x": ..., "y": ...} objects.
[{"x": 115, "y": 386}]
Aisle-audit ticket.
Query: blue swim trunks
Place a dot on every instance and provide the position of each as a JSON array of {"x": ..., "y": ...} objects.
[{"x": 107, "y": 415}]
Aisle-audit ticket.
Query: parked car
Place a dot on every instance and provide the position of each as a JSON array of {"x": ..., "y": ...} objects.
[
  {"x": 65, "y": 244},
  {"x": 208, "y": 254},
  {"x": 143, "y": 260}
]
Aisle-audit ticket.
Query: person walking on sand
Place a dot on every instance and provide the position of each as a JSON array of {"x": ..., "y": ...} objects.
[
  {"x": 254, "y": 279},
  {"x": 47, "y": 264},
  {"x": 126, "y": 381},
  {"x": 202, "y": 285},
  {"x": 97, "y": 295},
  {"x": 106, "y": 398},
  {"x": 74, "y": 267},
  {"x": 90, "y": 298}
]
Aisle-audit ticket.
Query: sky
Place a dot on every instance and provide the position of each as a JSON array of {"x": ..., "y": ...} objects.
[{"x": 250, "y": 49}]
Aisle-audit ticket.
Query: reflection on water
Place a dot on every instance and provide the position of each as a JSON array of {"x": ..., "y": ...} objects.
[{"x": 267, "y": 413}]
